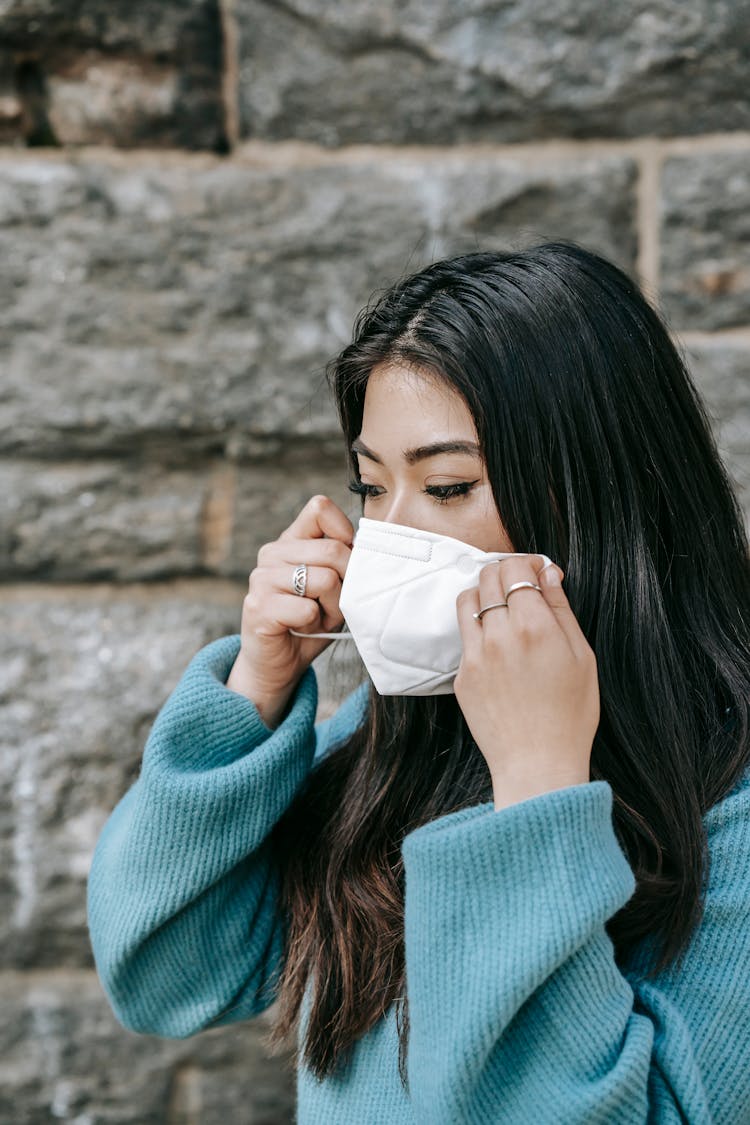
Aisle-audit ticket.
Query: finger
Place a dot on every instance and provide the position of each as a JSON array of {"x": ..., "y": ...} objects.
[
  {"x": 553, "y": 600},
  {"x": 527, "y": 566},
  {"x": 330, "y": 553},
  {"x": 289, "y": 611},
  {"x": 497, "y": 577},
  {"x": 537, "y": 563},
  {"x": 323, "y": 585},
  {"x": 320, "y": 517},
  {"x": 467, "y": 604}
]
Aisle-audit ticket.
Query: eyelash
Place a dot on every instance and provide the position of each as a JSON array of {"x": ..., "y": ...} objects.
[{"x": 441, "y": 492}]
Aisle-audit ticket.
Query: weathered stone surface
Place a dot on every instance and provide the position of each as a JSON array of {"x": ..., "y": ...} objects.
[
  {"x": 189, "y": 306},
  {"x": 83, "y": 674},
  {"x": 123, "y": 73},
  {"x": 82, "y": 679},
  {"x": 705, "y": 239},
  {"x": 222, "y": 1094},
  {"x": 721, "y": 374},
  {"x": 63, "y": 1056},
  {"x": 113, "y": 520},
  {"x": 11, "y": 107},
  {"x": 97, "y": 100},
  {"x": 100, "y": 520},
  {"x": 431, "y": 72}
]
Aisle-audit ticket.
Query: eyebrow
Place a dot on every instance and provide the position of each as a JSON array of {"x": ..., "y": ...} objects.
[{"x": 411, "y": 456}]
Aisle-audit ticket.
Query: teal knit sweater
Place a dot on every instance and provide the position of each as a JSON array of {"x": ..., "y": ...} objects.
[{"x": 518, "y": 1011}]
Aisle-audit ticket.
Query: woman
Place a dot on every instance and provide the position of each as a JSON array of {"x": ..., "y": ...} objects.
[{"x": 496, "y": 902}]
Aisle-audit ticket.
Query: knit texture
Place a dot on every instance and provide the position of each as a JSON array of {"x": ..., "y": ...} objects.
[{"x": 518, "y": 1011}]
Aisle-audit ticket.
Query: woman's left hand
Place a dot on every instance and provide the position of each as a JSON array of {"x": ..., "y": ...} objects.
[{"x": 527, "y": 683}]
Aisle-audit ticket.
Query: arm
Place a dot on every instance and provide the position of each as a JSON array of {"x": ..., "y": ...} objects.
[
  {"x": 182, "y": 889},
  {"x": 518, "y": 1011}
]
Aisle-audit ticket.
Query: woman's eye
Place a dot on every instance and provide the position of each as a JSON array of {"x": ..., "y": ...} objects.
[
  {"x": 441, "y": 492},
  {"x": 362, "y": 489}
]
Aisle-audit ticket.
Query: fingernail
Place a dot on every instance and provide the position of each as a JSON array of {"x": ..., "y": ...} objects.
[{"x": 551, "y": 575}]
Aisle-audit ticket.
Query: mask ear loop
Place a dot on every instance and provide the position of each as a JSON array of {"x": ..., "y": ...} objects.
[{"x": 331, "y": 636}]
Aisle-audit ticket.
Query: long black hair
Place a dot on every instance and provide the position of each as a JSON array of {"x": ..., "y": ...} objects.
[{"x": 600, "y": 454}]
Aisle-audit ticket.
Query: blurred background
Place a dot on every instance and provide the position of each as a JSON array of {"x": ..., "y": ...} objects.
[{"x": 196, "y": 198}]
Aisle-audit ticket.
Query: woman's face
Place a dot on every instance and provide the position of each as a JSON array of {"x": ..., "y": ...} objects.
[{"x": 445, "y": 492}]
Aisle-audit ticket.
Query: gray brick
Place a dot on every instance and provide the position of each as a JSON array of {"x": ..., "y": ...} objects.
[
  {"x": 83, "y": 677},
  {"x": 722, "y": 374},
  {"x": 65, "y": 1057},
  {"x": 427, "y": 72},
  {"x": 99, "y": 520},
  {"x": 706, "y": 240},
  {"x": 189, "y": 307},
  {"x": 114, "y": 520},
  {"x": 123, "y": 72}
]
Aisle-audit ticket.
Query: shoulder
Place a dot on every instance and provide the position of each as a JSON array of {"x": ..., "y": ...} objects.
[
  {"x": 733, "y": 810},
  {"x": 339, "y": 726},
  {"x": 734, "y": 807},
  {"x": 727, "y": 825}
]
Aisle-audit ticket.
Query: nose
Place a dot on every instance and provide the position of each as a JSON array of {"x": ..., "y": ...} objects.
[
  {"x": 404, "y": 515},
  {"x": 397, "y": 513},
  {"x": 399, "y": 506}
]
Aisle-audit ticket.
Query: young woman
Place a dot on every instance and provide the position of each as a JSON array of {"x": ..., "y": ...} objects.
[{"x": 520, "y": 893}]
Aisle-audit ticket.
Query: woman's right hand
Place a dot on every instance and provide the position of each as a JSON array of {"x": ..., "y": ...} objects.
[{"x": 272, "y": 660}]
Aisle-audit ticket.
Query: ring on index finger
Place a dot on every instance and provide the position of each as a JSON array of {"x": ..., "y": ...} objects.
[{"x": 495, "y": 605}]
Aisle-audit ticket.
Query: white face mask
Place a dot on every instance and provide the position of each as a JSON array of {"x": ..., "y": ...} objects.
[{"x": 398, "y": 599}]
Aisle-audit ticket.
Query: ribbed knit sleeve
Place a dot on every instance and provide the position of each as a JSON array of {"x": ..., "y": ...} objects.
[
  {"x": 518, "y": 1011},
  {"x": 182, "y": 890}
]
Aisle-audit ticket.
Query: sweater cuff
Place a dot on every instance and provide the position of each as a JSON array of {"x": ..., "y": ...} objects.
[
  {"x": 211, "y": 724},
  {"x": 553, "y": 857}
]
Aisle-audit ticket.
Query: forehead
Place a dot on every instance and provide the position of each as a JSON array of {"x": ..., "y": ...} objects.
[{"x": 401, "y": 399}]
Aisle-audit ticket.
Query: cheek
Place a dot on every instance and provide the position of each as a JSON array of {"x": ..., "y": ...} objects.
[
  {"x": 487, "y": 530},
  {"x": 484, "y": 503}
]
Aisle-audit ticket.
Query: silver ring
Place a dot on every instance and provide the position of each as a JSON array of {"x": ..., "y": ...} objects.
[
  {"x": 495, "y": 605},
  {"x": 520, "y": 585},
  {"x": 299, "y": 579}
]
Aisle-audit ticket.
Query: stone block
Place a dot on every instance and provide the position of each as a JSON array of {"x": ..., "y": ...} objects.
[
  {"x": 100, "y": 520},
  {"x": 128, "y": 72},
  {"x": 83, "y": 674},
  {"x": 65, "y": 1057},
  {"x": 426, "y": 72},
  {"x": 124, "y": 522},
  {"x": 705, "y": 240},
  {"x": 721, "y": 370},
  {"x": 188, "y": 307}
]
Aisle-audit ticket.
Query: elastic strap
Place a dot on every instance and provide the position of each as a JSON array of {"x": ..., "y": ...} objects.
[{"x": 327, "y": 636}]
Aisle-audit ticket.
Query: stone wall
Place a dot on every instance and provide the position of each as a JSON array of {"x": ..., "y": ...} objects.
[{"x": 195, "y": 201}]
